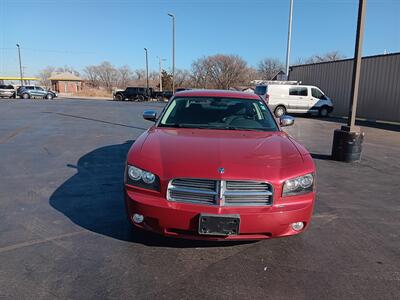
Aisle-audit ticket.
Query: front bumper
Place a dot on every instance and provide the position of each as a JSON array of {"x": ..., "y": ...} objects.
[{"x": 181, "y": 219}]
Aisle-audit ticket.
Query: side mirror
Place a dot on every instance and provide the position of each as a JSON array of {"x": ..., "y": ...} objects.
[
  {"x": 150, "y": 115},
  {"x": 286, "y": 121}
]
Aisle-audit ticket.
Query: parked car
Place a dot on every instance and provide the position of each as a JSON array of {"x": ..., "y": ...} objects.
[
  {"x": 140, "y": 94},
  {"x": 282, "y": 98},
  {"x": 132, "y": 93},
  {"x": 7, "y": 91},
  {"x": 31, "y": 91},
  {"x": 217, "y": 166}
]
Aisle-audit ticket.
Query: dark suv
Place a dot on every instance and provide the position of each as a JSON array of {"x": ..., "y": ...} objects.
[
  {"x": 133, "y": 93},
  {"x": 31, "y": 91}
]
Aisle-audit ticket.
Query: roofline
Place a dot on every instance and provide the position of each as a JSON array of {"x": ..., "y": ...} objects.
[
  {"x": 346, "y": 59},
  {"x": 64, "y": 79}
]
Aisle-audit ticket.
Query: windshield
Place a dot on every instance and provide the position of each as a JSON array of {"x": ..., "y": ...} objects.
[
  {"x": 260, "y": 90},
  {"x": 218, "y": 113}
]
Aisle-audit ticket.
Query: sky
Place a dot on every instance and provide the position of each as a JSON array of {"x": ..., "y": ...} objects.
[{"x": 88, "y": 32}]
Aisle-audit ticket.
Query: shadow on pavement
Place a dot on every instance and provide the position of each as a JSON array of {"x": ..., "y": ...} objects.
[
  {"x": 378, "y": 125},
  {"x": 321, "y": 156},
  {"x": 94, "y": 199}
]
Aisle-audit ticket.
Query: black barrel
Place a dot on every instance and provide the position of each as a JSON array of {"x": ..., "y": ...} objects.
[{"x": 347, "y": 146}]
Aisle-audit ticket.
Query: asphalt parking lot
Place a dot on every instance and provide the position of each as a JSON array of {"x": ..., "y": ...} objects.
[{"x": 64, "y": 234}]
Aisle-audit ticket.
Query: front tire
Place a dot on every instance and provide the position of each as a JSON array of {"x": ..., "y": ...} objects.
[
  {"x": 279, "y": 111},
  {"x": 49, "y": 96},
  {"x": 25, "y": 96},
  {"x": 140, "y": 98},
  {"x": 119, "y": 97},
  {"x": 324, "y": 111}
]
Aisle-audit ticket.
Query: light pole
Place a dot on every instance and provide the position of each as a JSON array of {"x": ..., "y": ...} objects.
[
  {"x": 289, "y": 39},
  {"x": 147, "y": 72},
  {"x": 20, "y": 65},
  {"x": 347, "y": 141},
  {"x": 173, "y": 51},
  {"x": 160, "y": 60}
]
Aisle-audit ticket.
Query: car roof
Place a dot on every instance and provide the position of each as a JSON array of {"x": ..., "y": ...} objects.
[{"x": 217, "y": 93}]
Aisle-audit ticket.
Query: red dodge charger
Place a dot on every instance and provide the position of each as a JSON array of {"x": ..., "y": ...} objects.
[{"x": 217, "y": 166}]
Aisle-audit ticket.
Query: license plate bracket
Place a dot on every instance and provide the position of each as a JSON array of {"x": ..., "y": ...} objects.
[{"x": 223, "y": 225}]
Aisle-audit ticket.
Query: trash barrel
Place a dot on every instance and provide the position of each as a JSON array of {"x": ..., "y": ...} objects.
[{"x": 347, "y": 145}]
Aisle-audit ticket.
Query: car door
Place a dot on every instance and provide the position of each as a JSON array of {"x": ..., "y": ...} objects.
[
  {"x": 298, "y": 99},
  {"x": 39, "y": 92}
]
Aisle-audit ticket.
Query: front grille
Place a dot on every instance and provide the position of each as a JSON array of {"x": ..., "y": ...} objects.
[{"x": 220, "y": 192}]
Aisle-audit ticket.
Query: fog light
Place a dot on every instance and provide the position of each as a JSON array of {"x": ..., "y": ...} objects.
[
  {"x": 297, "y": 226},
  {"x": 137, "y": 218}
]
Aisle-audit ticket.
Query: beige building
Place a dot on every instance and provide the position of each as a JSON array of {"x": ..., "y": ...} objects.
[{"x": 66, "y": 83}]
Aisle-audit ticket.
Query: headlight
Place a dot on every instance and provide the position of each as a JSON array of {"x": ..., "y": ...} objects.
[
  {"x": 299, "y": 185},
  {"x": 141, "y": 178}
]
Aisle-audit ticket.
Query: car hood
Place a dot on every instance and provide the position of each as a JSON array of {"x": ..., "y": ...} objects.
[{"x": 200, "y": 153}]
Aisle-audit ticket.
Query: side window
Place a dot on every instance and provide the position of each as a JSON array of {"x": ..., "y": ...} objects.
[
  {"x": 293, "y": 91},
  {"x": 39, "y": 88},
  {"x": 317, "y": 93},
  {"x": 303, "y": 91},
  {"x": 2, "y": 86},
  {"x": 298, "y": 91}
]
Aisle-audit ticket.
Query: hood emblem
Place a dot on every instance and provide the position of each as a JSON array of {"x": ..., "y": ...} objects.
[{"x": 221, "y": 170}]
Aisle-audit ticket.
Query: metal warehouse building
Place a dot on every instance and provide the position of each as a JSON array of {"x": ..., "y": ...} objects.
[{"x": 379, "y": 94}]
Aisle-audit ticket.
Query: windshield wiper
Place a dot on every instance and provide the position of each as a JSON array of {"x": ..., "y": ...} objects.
[
  {"x": 199, "y": 126},
  {"x": 241, "y": 128},
  {"x": 183, "y": 125}
]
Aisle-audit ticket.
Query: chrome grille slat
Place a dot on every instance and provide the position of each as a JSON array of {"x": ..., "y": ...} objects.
[
  {"x": 220, "y": 192},
  {"x": 193, "y": 190}
]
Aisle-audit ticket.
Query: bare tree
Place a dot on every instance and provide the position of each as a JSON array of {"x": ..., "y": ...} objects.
[
  {"x": 220, "y": 71},
  {"x": 329, "y": 56},
  {"x": 268, "y": 67},
  {"x": 252, "y": 74},
  {"x": 140, "y": 74},
  {"x": 91, "y": 75},
  {"x": 67, "y": 69},
  {"x": 199, "y": 74},
  {"x": 107, "y": 75},
  {"x": 182, "y": 78},
  {"x": 44, "y": 76},
  {"x": 124, "y": 75}
]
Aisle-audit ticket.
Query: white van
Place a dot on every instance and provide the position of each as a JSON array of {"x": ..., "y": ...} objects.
[{"x": 283, "y": 98}]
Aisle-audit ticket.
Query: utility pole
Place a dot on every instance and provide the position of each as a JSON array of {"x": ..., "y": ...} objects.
[
  {"x": 347, "y": 141},
  {"x": 289, "y": 39},
  {"x": 20, "y": 65},
  {"x": 160, "y": 60},
  {"x": 173, "y": 51},
  {"x": 147, "y": 72}
]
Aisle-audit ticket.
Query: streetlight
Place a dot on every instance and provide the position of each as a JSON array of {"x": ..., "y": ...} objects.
[
  {"x": 289, "y": 39},
  {"x": 347, "y": 141},
  {"x": 147, "y": 72},
  {"x": 160, "y": 60},
  {"x": 173, "y": 51},
  {"x": 20, "y": 65}
]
